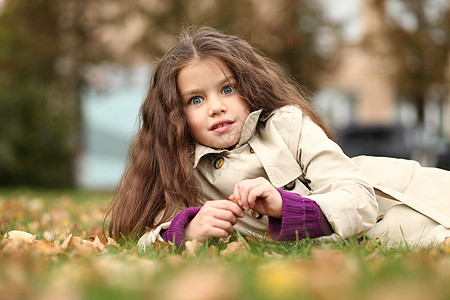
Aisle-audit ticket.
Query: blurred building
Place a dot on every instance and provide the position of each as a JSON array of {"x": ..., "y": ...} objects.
[
  {"x": 360, "y": 100},
  {"x": 110, "y": 107}
]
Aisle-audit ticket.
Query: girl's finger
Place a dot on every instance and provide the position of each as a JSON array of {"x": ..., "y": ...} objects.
[
  {"x": 236, "y": 195},
  {"x": 244, "y": 189},
  {"x": 223, "y": 225},
  {"x": 226, "y": 205},
  {"x": 254, "y": 194},
  {"x": 218, "y": 233},
  {"x": 226, "y": 215}
]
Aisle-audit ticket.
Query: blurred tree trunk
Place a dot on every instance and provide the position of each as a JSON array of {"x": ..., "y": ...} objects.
[
  {"x": 42, "y": 46},
  {"x": 33, "y": 147},
  {"x": 73, "y": 41},
  {"x": 422, "y": 48}
]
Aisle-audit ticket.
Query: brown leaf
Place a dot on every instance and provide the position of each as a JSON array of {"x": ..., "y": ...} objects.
[
  {"x": 111, "y": 242},
  {"x": 102, "y": 239},
  {"x": 84, "y": 247},
  {"x": 237, "y": 247},
  {"x": 65, "y": 244},
  {"x": 445, "y": 245},
  {"x": 98, "y": 244},
  {"x": 202, "y": 283},
  {"x": 46, "y": 248},
  {"x": 331, "y": 273},
  {"x": 192, "y": 248},
  {"x": 268, "y": 236},
  {"x": 14, "y": 246},
  {"x": 160, "y": 246},
  {"x": 95, "y": 231}
]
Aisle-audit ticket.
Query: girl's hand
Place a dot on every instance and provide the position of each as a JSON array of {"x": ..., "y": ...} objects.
[
  {"x": 215, "y": 219},
  {"x": 260, "y": 195}
]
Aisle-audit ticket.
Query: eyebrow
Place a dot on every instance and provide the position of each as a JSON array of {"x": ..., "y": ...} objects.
[{"x": 196, "y": 91}]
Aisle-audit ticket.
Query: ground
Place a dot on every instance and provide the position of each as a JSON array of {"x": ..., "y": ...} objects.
[{"x": 66, "y": 256}]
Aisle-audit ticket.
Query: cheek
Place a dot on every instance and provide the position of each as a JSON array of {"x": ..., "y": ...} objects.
[
  {"x": 193, "y": 125},
  {"x": 245, "y": 111}
]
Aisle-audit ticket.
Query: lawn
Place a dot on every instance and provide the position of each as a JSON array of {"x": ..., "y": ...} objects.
[{"x": 69, "y": 258}]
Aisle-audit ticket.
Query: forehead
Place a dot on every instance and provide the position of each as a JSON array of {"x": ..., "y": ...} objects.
[
  {"x": 208, "y": 66},
  {"x": 201, "y": 75}
]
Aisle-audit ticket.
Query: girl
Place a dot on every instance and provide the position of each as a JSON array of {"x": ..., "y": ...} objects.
[{"x": 228, "y": 142}]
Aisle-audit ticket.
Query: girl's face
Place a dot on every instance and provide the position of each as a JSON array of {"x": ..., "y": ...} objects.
[{"x": 214, "y": 109}]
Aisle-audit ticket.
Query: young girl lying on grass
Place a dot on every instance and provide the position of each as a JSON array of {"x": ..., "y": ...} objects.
[{"x": 228, "y": 142}]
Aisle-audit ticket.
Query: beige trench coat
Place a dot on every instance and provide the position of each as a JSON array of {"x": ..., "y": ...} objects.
[{"x": 394, "y": 200}]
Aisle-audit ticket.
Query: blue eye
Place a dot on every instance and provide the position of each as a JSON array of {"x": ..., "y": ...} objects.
[
  {"x": 195, "y": 100},
  {"x": 227, "y": 90}
]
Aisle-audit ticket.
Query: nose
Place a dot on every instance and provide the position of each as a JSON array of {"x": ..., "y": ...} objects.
[{"x": 216, "y": 105}]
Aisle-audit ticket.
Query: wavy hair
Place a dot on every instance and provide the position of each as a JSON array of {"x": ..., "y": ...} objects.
[{"x": 158, "y": 180}]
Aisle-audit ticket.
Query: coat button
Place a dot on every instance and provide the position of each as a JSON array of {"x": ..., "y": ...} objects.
[
  {"x": 363, "y": 239},
  {"x": 380, "y": 218},
  {"x": 218, "y": 163},
  {"x": 256, "y": 214},
  {"x": 290, "y": 186}
]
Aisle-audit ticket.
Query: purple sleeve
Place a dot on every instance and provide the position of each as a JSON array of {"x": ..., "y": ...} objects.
[
  {"x": 175, "y": 232},
  {"x": 302, "y": 217}
]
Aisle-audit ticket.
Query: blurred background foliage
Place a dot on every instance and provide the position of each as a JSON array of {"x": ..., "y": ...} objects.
[{"x": 45, "y": 46}]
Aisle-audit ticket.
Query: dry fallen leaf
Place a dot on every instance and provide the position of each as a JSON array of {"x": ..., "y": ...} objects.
[
  {"x": 20, "y": 235},
  {"x": 192, "y": 248},
  {"x": 98, "y": 244},
  {"x": 331, "y": 273},
  {"x": 111, "y": 242},
  {"x": 65, "y": 244},
  {"x": 160, "y": 246},
  {"x": 445, "y": 245},
  {"x": 236, "y": 247},
  {"x": 96, "y": 231},
  {"x": 46, "y": 248},
  {"x": 268, "y": 236},
  {"x": 83, "y": 247},
  {"x": 202, "y": 283}
]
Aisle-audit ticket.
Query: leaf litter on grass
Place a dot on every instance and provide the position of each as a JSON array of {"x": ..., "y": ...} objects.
[{"x": 64, "y": 255}]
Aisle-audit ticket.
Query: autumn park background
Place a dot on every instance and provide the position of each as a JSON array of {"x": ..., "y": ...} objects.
[{"x": 72, "y": 76}]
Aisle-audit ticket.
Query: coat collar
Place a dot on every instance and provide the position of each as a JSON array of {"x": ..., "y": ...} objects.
[{"x": 248, "y": 131}]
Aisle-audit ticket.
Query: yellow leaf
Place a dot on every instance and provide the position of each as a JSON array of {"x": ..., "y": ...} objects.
[{"x": 281, "y": 279}]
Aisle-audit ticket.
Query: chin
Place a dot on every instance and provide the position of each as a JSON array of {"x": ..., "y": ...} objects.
[{"x": 223, "y": 145}]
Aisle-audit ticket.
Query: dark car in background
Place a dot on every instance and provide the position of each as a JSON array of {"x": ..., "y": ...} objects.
[
  {"x": 391, "y": 141},
  {"x": 443, "y": 158},
  {"x": 374, "y": 140}
]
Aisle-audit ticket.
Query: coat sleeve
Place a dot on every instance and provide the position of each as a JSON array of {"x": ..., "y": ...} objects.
[{"x": 337, "y": 185}]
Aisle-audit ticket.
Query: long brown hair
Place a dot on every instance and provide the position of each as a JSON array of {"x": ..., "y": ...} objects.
[{"x": 158, "y": 180}]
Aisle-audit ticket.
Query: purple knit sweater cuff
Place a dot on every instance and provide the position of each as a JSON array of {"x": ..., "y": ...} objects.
[
  {"x": 175, "y": 232},
  {"x": 302, "y": 217}
]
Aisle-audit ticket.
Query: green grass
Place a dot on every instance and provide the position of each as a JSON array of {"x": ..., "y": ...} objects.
[{"x": 239, "y": 269}]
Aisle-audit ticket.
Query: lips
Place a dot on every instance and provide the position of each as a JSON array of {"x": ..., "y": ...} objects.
[{"x": 221, "y": 126}]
